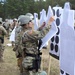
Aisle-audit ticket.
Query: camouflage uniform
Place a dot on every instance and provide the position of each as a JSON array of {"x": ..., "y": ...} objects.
[
  {"x": 2, "y": 33},
  {"x": 18, "y": 41},
  {"x": 7, "y": 26},
  {"x": 18, "y": 46},
  {"x": 30, "y": 44}
]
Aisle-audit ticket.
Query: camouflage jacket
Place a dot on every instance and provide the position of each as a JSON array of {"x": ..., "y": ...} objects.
[
  {"x": 2, "y": 31},
  {"x": 30, "y": 41}
]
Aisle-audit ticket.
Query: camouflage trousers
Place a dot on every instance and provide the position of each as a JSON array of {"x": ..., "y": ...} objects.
[
  {"x": 21, "y": 68},
  {"x": 1, "y": 50},
  {"x": 23, "y": 71}
]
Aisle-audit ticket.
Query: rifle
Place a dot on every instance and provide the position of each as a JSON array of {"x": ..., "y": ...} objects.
[{"x": 38, "y": 58}]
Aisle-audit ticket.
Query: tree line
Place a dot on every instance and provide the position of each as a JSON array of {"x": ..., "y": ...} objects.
[{"x": 14, "y": 8}]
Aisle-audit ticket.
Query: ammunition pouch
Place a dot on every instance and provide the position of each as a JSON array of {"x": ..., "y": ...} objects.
[{"x": 2, "y": 40}]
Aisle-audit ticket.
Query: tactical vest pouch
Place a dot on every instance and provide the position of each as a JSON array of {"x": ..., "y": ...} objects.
[{"x": 2, "y": 40}]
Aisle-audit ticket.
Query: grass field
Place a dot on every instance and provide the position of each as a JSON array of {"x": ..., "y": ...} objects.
[{"x": 9, "y": 66}]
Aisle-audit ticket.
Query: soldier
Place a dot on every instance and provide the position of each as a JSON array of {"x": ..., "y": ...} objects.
[
  {"x": 29, "y": 41},
  {"x": 7, "y": 26},
  {"x": 2, "y": 33},
  {"x": 13, "y": 27},
  {"x": 18, "y": 43},
  {"x": 14, "y": 23}
]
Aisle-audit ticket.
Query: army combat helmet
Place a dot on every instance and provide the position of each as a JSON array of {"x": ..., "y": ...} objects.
[
  {"x": 30, "y": 15},
  {"x": 24, "y": 20},
  {"x": 20, "y": 17}
]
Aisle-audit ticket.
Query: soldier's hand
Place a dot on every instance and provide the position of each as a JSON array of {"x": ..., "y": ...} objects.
[
  {"x": 43, "y": 25},
  {"x": 51, "y": 19}
]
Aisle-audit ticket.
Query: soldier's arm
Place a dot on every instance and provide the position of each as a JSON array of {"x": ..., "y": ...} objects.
[
  {"x": 4, "y": 30},
  {"x": 17, "y": 39},
  {"x": 44, "y": 30},
  {"x": 36, "y": 35}
]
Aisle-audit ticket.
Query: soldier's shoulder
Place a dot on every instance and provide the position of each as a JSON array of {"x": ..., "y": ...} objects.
[{"x": 35, "y": 32}]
